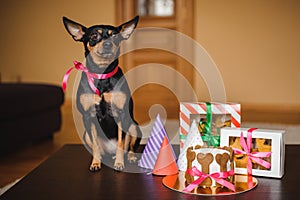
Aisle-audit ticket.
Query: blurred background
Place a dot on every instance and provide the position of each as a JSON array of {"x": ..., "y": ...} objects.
[{"x": 254, "y": 44}]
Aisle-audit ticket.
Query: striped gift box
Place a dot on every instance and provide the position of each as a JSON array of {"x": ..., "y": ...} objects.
[{"x": 188, "y": 109}]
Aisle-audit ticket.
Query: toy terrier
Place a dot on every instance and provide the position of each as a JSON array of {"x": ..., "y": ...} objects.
[{"x": 103, "y": 97}]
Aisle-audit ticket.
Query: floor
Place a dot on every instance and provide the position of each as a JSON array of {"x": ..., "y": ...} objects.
[{"x": 17, "y": 165}]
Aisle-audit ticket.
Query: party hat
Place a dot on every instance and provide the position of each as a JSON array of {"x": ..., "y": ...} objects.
[
  {"x": 193, "y": 138},
  {"x": 153, "y": 145},
  {"x": 165, "y": 163}
]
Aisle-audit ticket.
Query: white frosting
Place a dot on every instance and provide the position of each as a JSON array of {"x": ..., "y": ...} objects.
[{"x": 214, "y": 166}]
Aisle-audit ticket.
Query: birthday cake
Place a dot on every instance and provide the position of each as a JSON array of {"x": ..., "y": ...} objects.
[{"x": 209, "y": 161}]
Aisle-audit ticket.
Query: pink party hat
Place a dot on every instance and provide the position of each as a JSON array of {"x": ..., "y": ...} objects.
[{"x": 165, "y": 163}]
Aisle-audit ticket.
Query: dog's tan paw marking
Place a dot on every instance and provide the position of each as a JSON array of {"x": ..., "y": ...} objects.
[
  {"x": 94, "y": 167},
  {"x": 131, "y": 157},
  {"x": 118, "y": 166}
]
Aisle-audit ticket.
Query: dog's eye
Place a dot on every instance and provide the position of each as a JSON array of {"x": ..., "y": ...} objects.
[{"x": 95, "y": 36}]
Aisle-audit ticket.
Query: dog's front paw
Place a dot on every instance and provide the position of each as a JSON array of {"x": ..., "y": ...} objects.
[
  {"x": 119, "y": 166},
  {"x": 94, "y": 167},
  {"x": 131, "y": 157}
]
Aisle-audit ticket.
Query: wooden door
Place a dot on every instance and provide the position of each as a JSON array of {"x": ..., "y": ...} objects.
[{"x": 159, "y": 68}]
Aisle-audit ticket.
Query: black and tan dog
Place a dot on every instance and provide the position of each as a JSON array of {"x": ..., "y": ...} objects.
[{"x": 105, "y": 103}]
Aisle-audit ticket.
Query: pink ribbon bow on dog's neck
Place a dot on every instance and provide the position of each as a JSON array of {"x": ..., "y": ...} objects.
[{"x": 90, "y": 76}]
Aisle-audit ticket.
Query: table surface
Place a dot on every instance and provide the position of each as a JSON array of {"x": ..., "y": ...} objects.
[{"x": 65, "y": 175}]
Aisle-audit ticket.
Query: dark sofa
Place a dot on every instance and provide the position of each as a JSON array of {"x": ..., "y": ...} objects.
[{"x": 28, "y": 113}]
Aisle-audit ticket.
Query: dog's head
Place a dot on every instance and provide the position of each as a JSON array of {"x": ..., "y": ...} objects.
[{"x": 101, "y": 42}]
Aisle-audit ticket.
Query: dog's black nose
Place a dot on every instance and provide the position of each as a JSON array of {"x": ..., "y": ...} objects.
[{"x": 107, "y": 44}]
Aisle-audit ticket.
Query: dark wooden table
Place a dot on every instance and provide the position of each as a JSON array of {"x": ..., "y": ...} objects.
[{"x": 65, "y": 175}]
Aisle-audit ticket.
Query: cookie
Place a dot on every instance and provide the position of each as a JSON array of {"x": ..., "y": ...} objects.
[
  {"x": 264, "y": 145},
  {"x": 190, "y": 156},
  {"x": 205, "y": 160}
]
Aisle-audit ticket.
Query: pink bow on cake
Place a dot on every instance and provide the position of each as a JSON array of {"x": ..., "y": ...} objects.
[{"x": 218, "y": 177}]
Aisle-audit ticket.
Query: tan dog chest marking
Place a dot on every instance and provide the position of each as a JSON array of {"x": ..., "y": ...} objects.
[
  {"x": 107, "y": 96},
  {"x": 88, "y": 100},
  {"x": 116, "y": 98}
]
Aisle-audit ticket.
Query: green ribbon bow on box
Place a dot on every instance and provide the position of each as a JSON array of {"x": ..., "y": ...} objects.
[{"x": 211, "y": 140}]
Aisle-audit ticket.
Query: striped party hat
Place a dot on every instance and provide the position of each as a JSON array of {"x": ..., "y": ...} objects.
[{"x": 153, "y": 145}]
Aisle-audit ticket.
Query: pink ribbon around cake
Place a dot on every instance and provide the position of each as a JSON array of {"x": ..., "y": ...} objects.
[
  {"x": 252, "y": 156},
  {"x": 218, "y": 177},
  {"x": 90, "y": 76}
]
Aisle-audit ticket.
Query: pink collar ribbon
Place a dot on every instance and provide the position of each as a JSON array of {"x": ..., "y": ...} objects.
[
  {"x": 90, "y": 76},
  {"x": 218, "y": 177},
  {"x": 254, "y": 156}
]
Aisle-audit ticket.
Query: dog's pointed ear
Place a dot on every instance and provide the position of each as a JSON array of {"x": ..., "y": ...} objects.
[
  {"x": 75, "y": 29},
  {"x": 127, "y": 28}
]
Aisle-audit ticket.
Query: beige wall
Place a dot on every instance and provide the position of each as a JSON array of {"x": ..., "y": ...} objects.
[
  {"x": 255, "y": 44},
  {"x": 34, "y": 43}
]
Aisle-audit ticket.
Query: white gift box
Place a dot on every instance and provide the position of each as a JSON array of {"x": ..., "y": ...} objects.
[{"x": 274, "y": 138}]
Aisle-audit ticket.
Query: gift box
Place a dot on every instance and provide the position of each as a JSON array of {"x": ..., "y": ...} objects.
[
  {"x": 258, "y": 152},
  {"x": 210, "y": 117}
]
